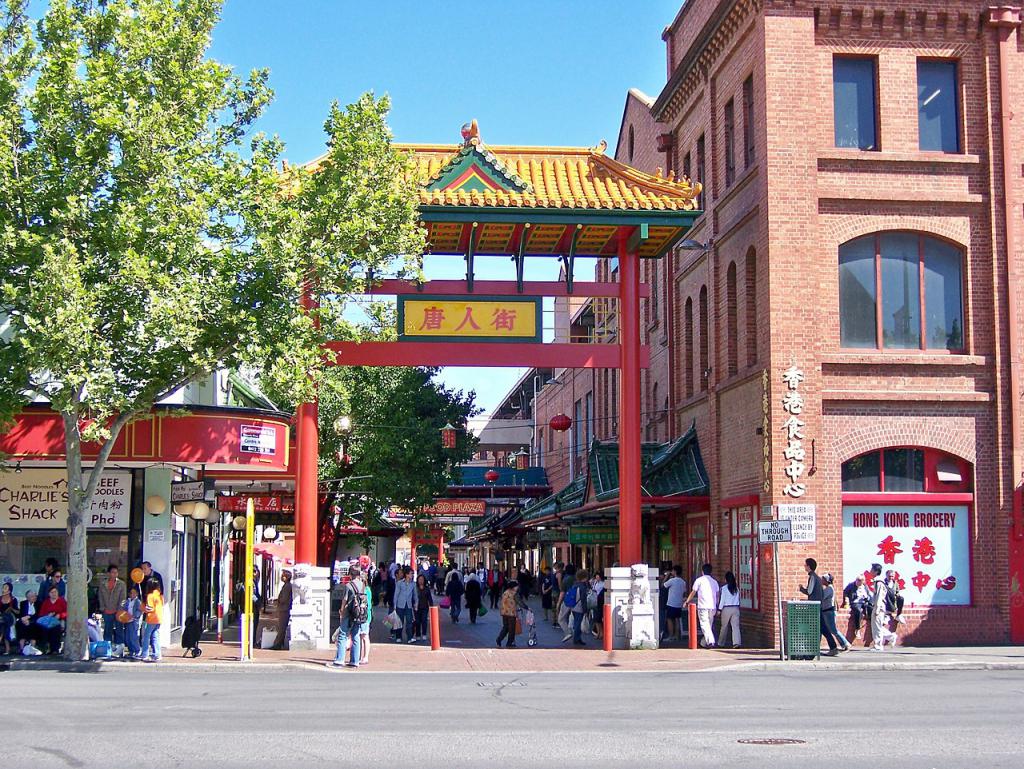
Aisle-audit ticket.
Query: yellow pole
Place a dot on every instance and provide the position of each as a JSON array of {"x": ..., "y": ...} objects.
[{"x": 250, "y": 525}]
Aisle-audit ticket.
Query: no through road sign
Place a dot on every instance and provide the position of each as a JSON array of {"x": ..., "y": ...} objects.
[{"x": 774, "y": 531}]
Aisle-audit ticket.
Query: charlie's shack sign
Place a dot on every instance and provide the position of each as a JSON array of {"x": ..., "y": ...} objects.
[{"x": 38, "y": 499}]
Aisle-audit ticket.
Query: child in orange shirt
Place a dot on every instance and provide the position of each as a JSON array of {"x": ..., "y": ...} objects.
[{"x": 154, "y": 610}]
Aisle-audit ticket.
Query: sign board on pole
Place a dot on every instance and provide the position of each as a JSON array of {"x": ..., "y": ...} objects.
[
  {"x": 804, "y": 519},
  {"x": 190, "y": 491},
  {"x": 774, "y": 531}
]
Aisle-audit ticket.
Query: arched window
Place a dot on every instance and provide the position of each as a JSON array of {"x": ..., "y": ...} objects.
[
  {"x": 901, "y": 290},
  {"x": 688, "y": 342},
  {"x": 906, "y": 469},
  {"x": 704, "y": 348},
  {"x": 750, "y": 275},
  {"x": 731, "y": 331}
]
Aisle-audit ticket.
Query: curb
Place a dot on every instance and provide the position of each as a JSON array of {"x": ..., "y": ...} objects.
[{"x": 775, "y": 666}]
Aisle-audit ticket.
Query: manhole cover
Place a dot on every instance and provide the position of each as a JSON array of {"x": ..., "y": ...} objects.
[
  {"x": 499, "y": 684},
  {"x": 771, "y": 741}
]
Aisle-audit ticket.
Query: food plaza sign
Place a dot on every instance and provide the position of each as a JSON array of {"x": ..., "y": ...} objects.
[
  {"x": 928, "y": 546},
  {"x": 463, "y": 319},
  {"x": 38, "y": 499}
]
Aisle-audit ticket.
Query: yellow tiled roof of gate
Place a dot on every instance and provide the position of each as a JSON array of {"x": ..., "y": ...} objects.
[{"x": 556, "y": 177}]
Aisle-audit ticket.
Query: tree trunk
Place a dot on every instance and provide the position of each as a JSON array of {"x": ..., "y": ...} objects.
[
  {"x": 76, "y": 639},
  {"x": 80, "y": 494}
]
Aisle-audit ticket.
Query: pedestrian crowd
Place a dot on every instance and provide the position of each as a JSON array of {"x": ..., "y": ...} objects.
[{"x": 126, "y": 624}]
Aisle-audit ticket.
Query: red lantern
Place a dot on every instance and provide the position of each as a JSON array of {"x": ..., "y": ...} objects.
[
  {"x": 449, "y": 435},
  {"x": 560, "y": 423},
  {"x": 491, "y": 476}
]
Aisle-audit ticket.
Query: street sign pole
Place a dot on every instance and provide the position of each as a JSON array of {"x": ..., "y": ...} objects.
[
  {"x": 775, "y": 532},
  {"x": 778, "y": 604}
]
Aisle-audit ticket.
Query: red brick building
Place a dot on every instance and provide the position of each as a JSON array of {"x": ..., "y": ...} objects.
[{"x": 844, "y": 325}]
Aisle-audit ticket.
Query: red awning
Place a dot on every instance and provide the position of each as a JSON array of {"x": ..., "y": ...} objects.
[{"x": 282, "y": 551}]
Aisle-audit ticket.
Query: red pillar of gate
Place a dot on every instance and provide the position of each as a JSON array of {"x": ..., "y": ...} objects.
[
  {"x": 630, "y": 527},
  {"x": 307, "y": 441},
  {"x": 412, "y": 553},
  {"x": 440, "y": 546}
]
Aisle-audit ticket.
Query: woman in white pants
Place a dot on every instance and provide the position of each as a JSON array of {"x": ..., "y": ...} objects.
[{"x": 729, "y": 608}]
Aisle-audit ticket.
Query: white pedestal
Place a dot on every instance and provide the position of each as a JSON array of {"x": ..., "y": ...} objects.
[
  {"x": 311, "y": 605},
  {"x": 625, "y": 617}
]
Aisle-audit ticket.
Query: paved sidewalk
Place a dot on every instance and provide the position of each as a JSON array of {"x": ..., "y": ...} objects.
[{"x": 471, "y": 648}]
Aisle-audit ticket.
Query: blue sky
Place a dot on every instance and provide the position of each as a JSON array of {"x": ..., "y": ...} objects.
[{"x": 530, "y": 72}]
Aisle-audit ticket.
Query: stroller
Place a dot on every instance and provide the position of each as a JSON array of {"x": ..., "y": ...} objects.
[
  {"x": 531, "y": 628},
  {"x": 190, "y": 637}
]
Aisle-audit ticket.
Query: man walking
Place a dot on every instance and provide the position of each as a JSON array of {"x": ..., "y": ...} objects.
[
  {"x": 405, "y": 604},
  {"x": 284, "y": 611},
  {"x": 353, "y": 614},
  {"x": 705, "y": 588},
  {"x": 815, "y": 592}
]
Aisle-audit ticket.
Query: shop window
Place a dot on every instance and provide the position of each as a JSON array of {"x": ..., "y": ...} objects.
[
  {"x": 938, "y": 106},
  {"x": 732, "y": 333},
  {"x": 901, "y": 290},
  {"x": 750, "y": 274},
  {"x": 855, "y": 109},
  {"x": 686, "y": 165},
  {"x": 918, "y": 525},
  {"x": 744, "y": 555}
]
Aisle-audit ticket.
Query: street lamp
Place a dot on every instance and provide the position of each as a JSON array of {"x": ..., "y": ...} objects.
[
  {"x": 522, "y": 459},
  {"x": 343, "y": 424}
]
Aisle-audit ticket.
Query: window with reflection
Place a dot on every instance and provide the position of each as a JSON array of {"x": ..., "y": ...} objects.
[{"x": 901, "y": 291}]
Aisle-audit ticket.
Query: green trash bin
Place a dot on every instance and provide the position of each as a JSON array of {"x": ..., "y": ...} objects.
[{"x": 803, "y": 630}]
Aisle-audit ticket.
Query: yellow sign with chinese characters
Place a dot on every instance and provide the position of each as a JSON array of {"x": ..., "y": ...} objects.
[{"x": 457, "y": 319}]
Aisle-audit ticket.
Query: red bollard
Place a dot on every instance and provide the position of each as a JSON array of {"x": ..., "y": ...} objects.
[
  {"x": 606, "y": 627},
  {"x": 435, "y": 629},
  {"x": 693, "y": 625}
]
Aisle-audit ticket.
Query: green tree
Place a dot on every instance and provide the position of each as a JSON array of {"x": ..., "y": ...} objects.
[{"x": 147, "y": 237}]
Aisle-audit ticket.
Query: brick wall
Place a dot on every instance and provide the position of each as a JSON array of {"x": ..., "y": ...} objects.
[{"x": 792, "y": 209}]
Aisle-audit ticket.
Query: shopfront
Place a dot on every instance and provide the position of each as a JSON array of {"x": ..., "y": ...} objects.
[
  {"x": 911, "y": 510},
  {"x": 33, "y": 523}
]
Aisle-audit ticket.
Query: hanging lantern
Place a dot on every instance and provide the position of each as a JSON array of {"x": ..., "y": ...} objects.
[
  {"x": 184, "y": 509},
  {"x": 522, "y": 459},
  {"x": 238, "y": 522},
  {"x": 491, "y": 476},
  {"x": 560, "y": 423},
  {"x": 449, "y": 436},
  {"x": 200, "y": 511},
  {"x": 156, "y": 505}
]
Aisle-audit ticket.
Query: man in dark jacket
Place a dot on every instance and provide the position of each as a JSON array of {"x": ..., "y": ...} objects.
[{"x": 815, "y": 592}]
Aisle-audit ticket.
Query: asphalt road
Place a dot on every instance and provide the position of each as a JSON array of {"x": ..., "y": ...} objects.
[{"x": 292, "y": 718}]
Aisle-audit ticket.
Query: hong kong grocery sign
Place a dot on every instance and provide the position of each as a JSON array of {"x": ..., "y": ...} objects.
[
  {"x": 927, "y": 545},
  {"x": 38, "y": 499}
]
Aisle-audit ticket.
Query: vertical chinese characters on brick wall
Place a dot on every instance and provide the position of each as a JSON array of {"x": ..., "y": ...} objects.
[{"x": 793, "y": 426}]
